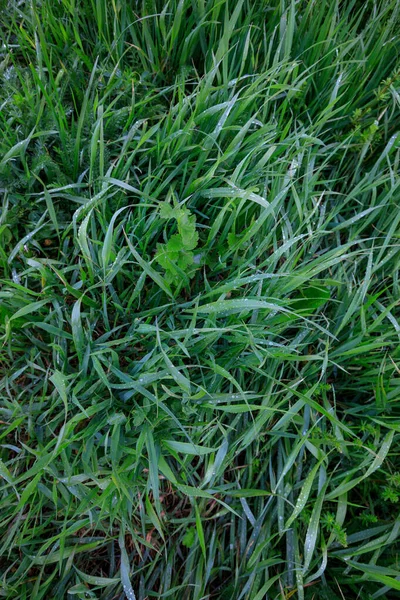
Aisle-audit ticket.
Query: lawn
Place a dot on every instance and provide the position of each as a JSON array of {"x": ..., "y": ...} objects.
[{"x": 199, "y": 299}]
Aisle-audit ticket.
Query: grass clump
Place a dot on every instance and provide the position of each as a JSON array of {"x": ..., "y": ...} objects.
[{"x": 199, "y": 314}]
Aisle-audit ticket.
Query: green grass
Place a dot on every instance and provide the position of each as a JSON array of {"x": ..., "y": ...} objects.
[{"x": 199, "y": 303}]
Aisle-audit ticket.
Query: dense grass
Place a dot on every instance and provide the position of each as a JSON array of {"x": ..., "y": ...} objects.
[{"x": 199, "y": 318}]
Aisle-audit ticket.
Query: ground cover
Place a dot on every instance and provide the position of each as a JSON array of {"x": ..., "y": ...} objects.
[{"x": 199, "y": 304}]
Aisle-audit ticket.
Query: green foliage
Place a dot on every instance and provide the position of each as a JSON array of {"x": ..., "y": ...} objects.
[
  {"x": 176, "y": 256},
  {"x": 331, "y": 524},
  {"x": 189, "y": 538},
  {"x": 199, "y": 299}
]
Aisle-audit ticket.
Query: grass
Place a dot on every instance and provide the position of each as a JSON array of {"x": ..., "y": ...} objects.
[{"x": 199, "y": 317}]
